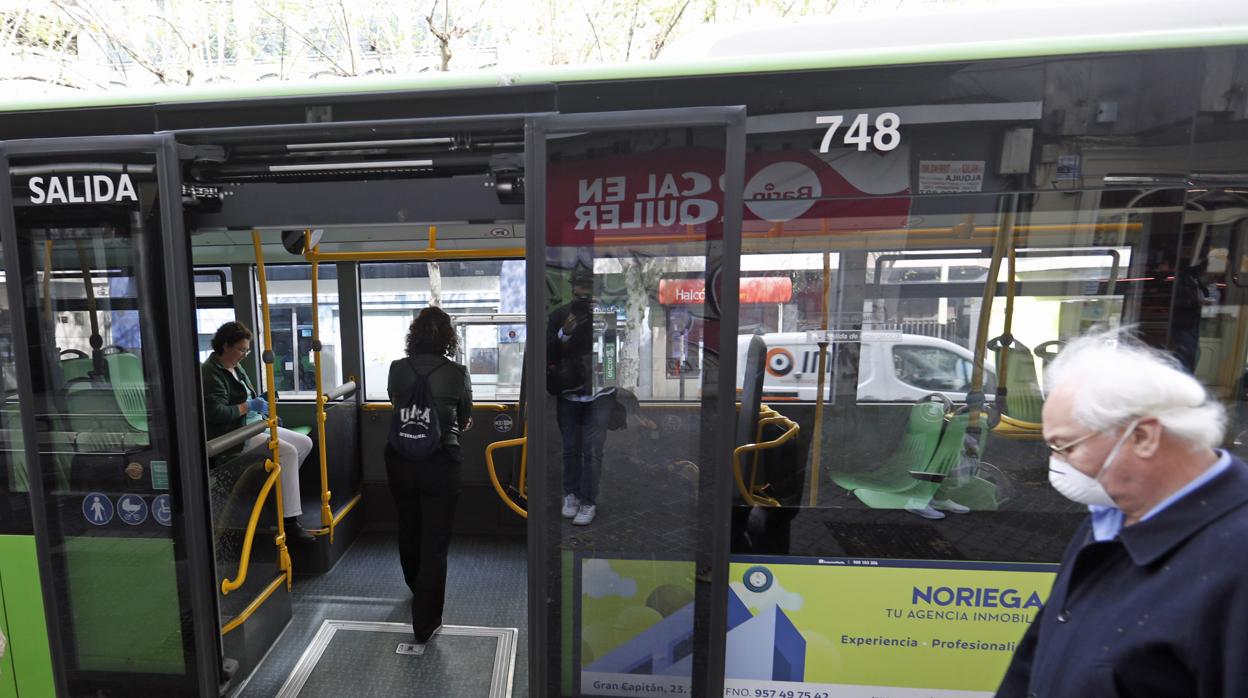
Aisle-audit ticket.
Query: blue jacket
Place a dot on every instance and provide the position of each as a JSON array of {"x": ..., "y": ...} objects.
[{"x": 1160, "y": 611}]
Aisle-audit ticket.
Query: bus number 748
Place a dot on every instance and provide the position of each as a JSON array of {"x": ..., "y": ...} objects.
[{"x": 885, "y": 138}]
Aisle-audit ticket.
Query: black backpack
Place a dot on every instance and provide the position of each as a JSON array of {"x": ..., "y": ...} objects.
[{"x": 415, "y": 430}]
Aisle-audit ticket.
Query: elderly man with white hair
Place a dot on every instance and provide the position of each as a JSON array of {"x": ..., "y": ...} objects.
[{"x": 1152, "y": 596}]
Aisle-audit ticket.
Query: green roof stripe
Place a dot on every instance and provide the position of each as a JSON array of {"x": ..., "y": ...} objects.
[{"x": 1161, "y": 39}]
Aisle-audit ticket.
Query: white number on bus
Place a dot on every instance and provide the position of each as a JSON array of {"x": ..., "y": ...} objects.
[{"x": 886, "y": 136}]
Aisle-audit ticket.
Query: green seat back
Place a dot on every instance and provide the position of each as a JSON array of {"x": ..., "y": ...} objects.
[
  {"x": 1024, "y": 400},
  {"x": 125, "y": 373},
  {"x": 918, "y": 444}
]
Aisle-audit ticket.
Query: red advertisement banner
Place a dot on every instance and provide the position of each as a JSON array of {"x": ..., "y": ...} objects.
[{"x": 679, "y": 193}]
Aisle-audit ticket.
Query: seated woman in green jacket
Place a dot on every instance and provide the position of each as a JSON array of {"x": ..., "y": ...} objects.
[{"x": 228, "y": 400}]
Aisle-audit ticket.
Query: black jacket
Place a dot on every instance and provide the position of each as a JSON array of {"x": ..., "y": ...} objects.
[
  {"x": 569, "y": 363},
  {"x": 452, "y": 392},
  {"x": 1160, "y": 611}
]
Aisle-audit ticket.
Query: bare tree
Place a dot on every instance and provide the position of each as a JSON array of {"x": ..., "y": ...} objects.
[{"x": 449, "y": 32}]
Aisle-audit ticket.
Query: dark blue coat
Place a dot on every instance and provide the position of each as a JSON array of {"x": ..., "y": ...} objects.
[{"x": 1160, "y": 611}]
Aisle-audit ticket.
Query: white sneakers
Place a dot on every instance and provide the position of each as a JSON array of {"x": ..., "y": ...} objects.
[
  {"x": 950, "y": 506},
  {"x": 935, "y": 509},
  {"x": 581, "y": 514},
  {"x": 584, "y": 515}
]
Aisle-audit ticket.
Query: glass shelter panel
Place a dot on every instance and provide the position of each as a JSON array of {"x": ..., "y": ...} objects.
[
  {"x": 99, "y": 346},
  {"x": 630, "y": 292}
]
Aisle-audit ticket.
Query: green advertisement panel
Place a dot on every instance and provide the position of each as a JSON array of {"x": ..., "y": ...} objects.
[
  {"x": 636, "y": 627},
  {"x": 822, "y": 627}
]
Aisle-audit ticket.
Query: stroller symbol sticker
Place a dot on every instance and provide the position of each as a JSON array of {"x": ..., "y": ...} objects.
[
  {"x": 97, "y": 508},
  {"x": 161, "y": 510},
  {"x": 132, "y": 509}
]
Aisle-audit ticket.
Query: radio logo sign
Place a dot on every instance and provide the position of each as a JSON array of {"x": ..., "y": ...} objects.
[{"x": 503, "y": 423}]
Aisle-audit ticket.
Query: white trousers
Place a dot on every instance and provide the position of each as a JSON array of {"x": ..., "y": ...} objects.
[{"x": 293, "y": 448}]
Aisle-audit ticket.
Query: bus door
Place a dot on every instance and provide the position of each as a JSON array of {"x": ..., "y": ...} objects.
[
  {"x": 628, "y": 538},
  {"x": 100, "y": 295}
]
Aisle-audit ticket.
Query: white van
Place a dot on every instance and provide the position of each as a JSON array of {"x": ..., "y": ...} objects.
[{"x": 892, "y": 367}]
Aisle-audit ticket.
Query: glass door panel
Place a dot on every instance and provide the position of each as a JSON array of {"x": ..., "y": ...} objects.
[
  {"x": 625, "y": 511},
  {"x": 95, "y": 314}
]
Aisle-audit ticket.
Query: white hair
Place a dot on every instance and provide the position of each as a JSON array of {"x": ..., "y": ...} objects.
[{"x": 1114, "y": 378}]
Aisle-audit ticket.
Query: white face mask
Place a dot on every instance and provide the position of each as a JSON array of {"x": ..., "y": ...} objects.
[{"x": 1081, "y": 488}]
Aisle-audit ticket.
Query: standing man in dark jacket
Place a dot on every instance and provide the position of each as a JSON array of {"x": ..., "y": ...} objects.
[
  {"x": 426, "y": 492},
  {"x": 584, "y": 409},
  {"x": 1152, "y": 596}
]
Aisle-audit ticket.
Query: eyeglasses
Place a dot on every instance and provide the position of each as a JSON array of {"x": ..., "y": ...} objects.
[{"x": 1062, "y": 450}]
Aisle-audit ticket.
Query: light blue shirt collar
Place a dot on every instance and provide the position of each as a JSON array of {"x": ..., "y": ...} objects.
[{"x": 1107, "y": 521}]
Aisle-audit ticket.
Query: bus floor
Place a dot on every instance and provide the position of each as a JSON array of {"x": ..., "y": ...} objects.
[{"x": 486, "y": 587}]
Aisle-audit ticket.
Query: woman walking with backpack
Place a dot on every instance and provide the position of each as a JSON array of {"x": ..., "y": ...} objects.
[{"x": 432, "y": 398}]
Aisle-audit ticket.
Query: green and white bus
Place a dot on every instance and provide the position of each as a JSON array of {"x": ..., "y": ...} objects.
[{"x": 962, "y": 193}]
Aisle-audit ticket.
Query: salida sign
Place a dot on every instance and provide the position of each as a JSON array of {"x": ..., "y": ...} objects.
[
  {"x": 81, "y": 189},
  {"x": 680, "y": 192}
]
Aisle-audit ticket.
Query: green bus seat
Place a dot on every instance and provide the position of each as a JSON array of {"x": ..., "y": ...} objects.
[
  {"x": 925, "y": 478},
  {"x": 918, "y": 445},
  {"x": 125, "y": 373},
  {"x": 1024, "y": 400}
]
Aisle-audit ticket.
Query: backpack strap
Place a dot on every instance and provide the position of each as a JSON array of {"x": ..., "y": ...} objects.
[{"x": 432, "y": 371}]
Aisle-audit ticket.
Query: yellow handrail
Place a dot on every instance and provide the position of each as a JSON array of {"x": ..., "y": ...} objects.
[
  {"x": 767, "y": 416},
  {"x": 270, "y": 483},
  {"x": 327, "y": 515},
  {"x": 254, "y": 605},
  {"x": 431, "y": 253},
  {"x": 283, "y": 555},
  {"x": 523, "y": 442}
]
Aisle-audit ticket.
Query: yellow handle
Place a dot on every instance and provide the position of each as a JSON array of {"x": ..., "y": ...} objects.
[
  {"x": 749, "y": 493},
  {"x": 523, "y": 441},
  {"x": 274, "y": 473}
]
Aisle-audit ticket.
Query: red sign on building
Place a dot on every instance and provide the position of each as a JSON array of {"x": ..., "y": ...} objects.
[{"x": 754, "y": 289}]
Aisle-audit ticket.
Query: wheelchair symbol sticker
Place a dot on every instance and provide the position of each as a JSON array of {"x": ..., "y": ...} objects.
[
  {"x": 161, "y": 511},
  {"x": 97, "y": 508},
  {"x": 132, "y": 509}
]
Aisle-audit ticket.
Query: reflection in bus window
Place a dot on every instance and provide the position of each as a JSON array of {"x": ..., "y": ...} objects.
[{"x": 931, "y": 368}]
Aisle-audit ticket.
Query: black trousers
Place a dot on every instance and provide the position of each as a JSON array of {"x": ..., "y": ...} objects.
[{"x": 425, "y": 494}]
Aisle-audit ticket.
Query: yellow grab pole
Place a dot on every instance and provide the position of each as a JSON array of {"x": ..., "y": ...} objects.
[
  {"x": 283, "y": 555},
  {"x": 327, "y": 515},
  {"x": 1010, "y": 288},
  {"x": 816, "y": 455},
  {"x": 1005, "y": 234}
]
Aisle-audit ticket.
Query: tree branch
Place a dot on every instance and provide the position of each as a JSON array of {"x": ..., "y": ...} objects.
[
  {"x": 97, "y": 25},
  {"x": 661, "y": 41},
  {"x": 597, "y": 40},
  {"x": 306, "y": 41}
]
